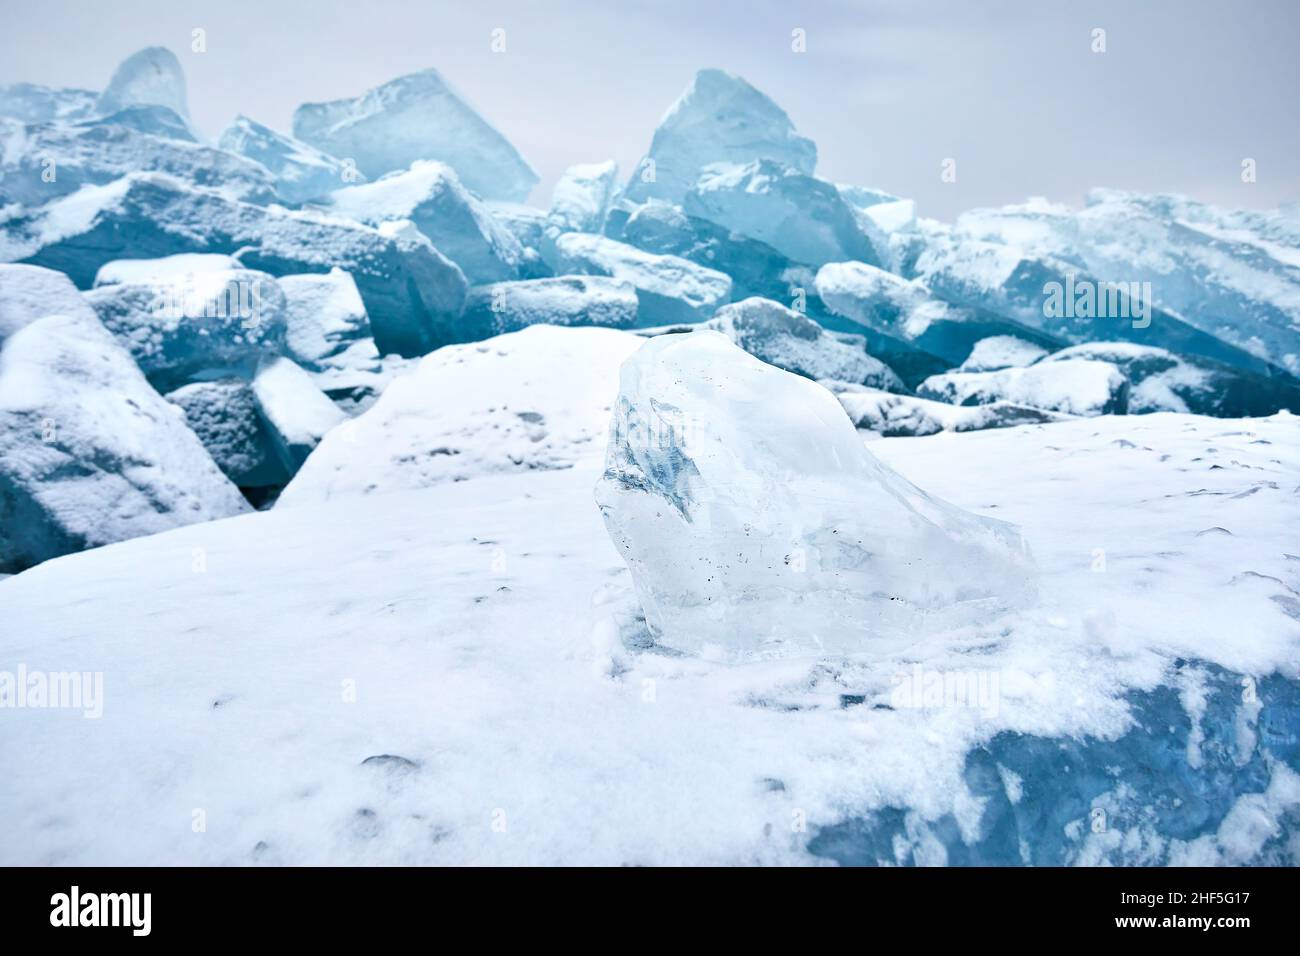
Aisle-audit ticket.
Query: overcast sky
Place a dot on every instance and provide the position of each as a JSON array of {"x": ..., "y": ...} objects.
[{"x": 888, "y": 89}]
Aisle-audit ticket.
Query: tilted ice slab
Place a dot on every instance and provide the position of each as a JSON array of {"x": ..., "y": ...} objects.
[
  {"x": 89, "y": 452},
  {"x": 224, "y": 414},
  {"x": 1001, "y": 351},
  {"x": 298, "y": 413},
  {"x": 791, "y": 341},
  {"x": 324, "y": 318},
  {"x": 755, "y": 268},
  {"x": 669, "y": 288},
  {"x": 534, "y": 400},
  {"x": 417, "y": 117},
  {"x": 719, "y": 119},
  {"x": 33, "y": 103},
  {"x": 99, "y": 152},
  {"x": 908, "y": 310},
  {"x": 301, "y": 172},
  {"x": 890, "y": 415},
  {"x": 412, "y": 293},
  {"x": 430, "y": 195},
  {"x": 1161, "y": 381},
  {"x": 756, "y": 524},
  {"x": 1076, "y": 386},
  {"x": 560, "y": 300},
  {"x": 191, "y": 325},
  {"x": 582, "y": 197},
  {"x": 150, "y": 77},
  {"x": 798, "y": 215}
]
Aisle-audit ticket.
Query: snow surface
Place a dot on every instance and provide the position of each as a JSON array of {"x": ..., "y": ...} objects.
[
  {"x": 29, "y": 292},
  {"x": 475, "y": 626},
  {"x": 533, "y": 400}
]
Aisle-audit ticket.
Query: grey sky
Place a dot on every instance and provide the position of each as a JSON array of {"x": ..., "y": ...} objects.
[{"x": 888, "y": 89}]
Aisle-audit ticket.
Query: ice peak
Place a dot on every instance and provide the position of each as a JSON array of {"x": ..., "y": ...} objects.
[{"x": 150, "y": 77}]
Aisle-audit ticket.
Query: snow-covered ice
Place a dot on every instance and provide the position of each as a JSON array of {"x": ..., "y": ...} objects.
[
  {"x": 533, "y": 400},
  {"x": 794, "y": 342},
  {"x": 798, "y": 215},
  {"x": 582, "y": 197},
  {"x": 560, "y": 300},
  {"x": 89, "y": 452},
  {"x": 669, "y": 288},
  {"x": 431, "y": 197},
  {"x": 1076, "y": 386}
]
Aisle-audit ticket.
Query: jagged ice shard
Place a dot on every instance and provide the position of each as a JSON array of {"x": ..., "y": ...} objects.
[
  {"x": 756, "y": 524},
  {"x": 719, "y": 119},
  {"x": 417, "y": 117}
]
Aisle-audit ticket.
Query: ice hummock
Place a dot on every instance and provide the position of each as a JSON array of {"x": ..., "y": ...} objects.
[
  {"x": 417, "y": 117},
  {"x": 413, "y": 294},
  {"x": 430, "y": 195},
  {"x": 582, "y": 197},
  {"x": 792, "y": 341},
  {"x": 568, "y": 300},
  {"x": 149, "y": 77},
  {"x": 798, "y": 215},
  {"x": 89, "y": 452},
  {"x": 224, "y": 414},
  {"x": 33, "y": 103},
  {"x": 1075, "y": 386},
  {"x": 1232, "y": 274},
  {"x": 756, "y": 523},
  {"x": 890, "y": 415},
  {"x": 669, "y": 288},
  {"x": 189, "y": 325},
  {"x": 301, "y": 172},
  {"x": 98, "y": 152},
  {"x": 720, "y": 118},
  {"x": 910, "y": 311}
]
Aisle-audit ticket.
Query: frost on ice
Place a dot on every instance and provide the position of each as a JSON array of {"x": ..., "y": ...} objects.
[
  {"x": 89, "y": 452},
  {"x": 756, "y": 523}
]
